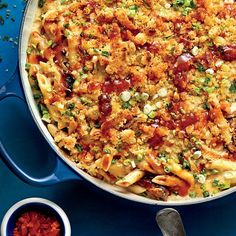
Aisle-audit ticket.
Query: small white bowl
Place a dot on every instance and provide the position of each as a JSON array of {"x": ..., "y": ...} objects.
[{"x": 43, "y": 205}]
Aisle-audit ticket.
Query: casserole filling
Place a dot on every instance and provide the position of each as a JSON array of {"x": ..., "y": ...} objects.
[{"x": 140, "y": 93}]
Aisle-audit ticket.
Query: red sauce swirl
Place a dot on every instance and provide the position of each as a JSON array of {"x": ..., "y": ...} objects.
[
  {"x": 183, "y": 63},
  {"x": 228, "y": 52},
  {"x": 104, "y": 104},
  {"x": 116, "y": 86}
]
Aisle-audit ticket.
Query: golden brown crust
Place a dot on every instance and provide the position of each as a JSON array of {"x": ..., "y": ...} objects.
[{"x": 136, "y": 91}]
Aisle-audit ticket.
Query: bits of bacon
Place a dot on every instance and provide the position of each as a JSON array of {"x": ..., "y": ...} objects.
[{"x": 34, "y": 223}]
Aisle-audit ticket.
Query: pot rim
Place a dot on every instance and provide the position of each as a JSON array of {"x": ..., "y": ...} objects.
[{"x": 115, "y": 190}]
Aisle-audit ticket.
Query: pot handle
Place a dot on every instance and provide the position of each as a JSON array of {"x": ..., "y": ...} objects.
[
  {"x": 12, "y": 88},
  {"x": 61, "y": 172}
]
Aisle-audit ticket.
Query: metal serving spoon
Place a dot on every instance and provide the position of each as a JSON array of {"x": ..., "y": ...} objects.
[{"x": 170, "y": 222}]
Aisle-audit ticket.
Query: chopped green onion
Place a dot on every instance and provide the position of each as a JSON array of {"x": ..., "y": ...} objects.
[
  {"x": 96, "y": 50},
  {"x": 162, "y": 155},
  {"x": 167, "y": 169},
  {"x": 83, "y": 76},
  {"x": 70, "y": 106},
  {"x": 125, "y": 96},
  {"x": 195, "y": 50},
  {"x": 206, "y": 194},
  {"x": 53, "y": 45},
  {"x": 126, "y": 105},
  {"x": 46, "y": 118},
  {"x": 29, "y": 50},
  {"x": 206, "y": 106},
  {"x": 137, "y": 96},
  {"x": 85, "y": 69},
  {"x": 147, "y": 109},
  {"x": 197, "y": 154},
  {"x": 144, "y": 96},
  {"x": 196, "y": 26},
  {"x": 97, "y": 125},
  {"x": 201, "y": 179},
  {"x": 185, "y": 6},
  {"x": 107, "y": 150},
  {"x": 127, "y": 162},
  {"x": 200, "y": 67},
  {"x": 79, "y": 147},
  {"x": 44, "y": 112},
  {"x": 224, "y": 186},
  {"x": 215, "y": 182},
  {"x": 152, "y": 114},
  {"x": 37, "y": 96},
  {"x": 163, "y": 92},
  {"x": 85, "y": 101},
  {"x": 138, "y": 133},
  {"x": 214, "y": 172},
  {"x": 95, "y": 149},
  {"x": 168, "y": 105},
  {"x": 186, "y": 164},
  {"x": 27, "y": 66},
  {"x": 169, "y": 36},
  {"x": 192, "y": 194},
  {"x": 41, "y": 3},
  {"x": 139, "y": 157},
  {"x": 133, "y": 10},
  {"x": 66, "y": 25},
  {"x": 67, "y": 113},
  {"x": 209, "y": 89},
  {"x": 105, "y": 53},
  {"x": 232, "y": 87}
]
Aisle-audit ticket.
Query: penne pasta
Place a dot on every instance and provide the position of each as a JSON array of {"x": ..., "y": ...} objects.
[
  {"x": 181, "y": 173},
  {"x": 131, "y": 178},
  {"x": 221, "y": 165}
]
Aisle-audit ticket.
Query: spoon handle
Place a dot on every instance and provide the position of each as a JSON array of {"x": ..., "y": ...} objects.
[{"x": 170, "y": 222}]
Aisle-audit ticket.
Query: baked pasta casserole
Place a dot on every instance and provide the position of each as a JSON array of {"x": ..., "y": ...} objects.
[{"x": 140, "y": 93}]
